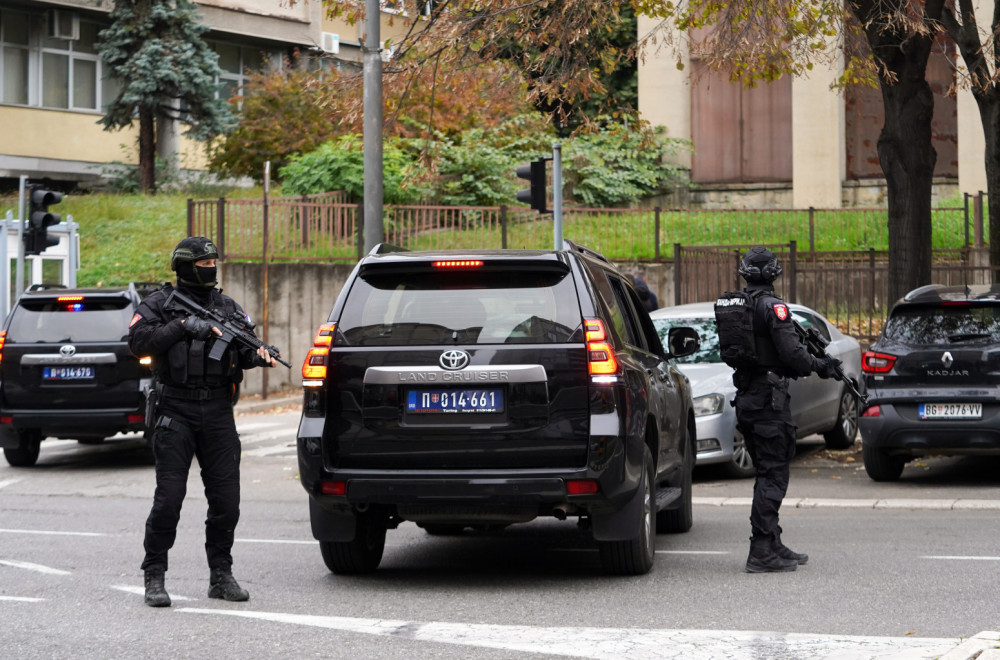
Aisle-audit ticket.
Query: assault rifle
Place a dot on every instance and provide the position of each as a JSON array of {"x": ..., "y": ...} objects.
[
  {"x": 235, "y": 326},
  {"x": 816, "y": 344}
]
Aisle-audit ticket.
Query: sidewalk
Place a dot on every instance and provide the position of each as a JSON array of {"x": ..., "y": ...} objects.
[
  {"x": 984, "y": 646},
  {"x": 256, "y": 404}
]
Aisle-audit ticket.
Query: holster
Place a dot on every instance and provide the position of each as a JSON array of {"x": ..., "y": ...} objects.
[{"x": 153, "y": 395}]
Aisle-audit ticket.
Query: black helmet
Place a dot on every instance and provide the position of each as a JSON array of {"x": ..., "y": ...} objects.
[
  {"x": 192, "y": 249},
  {"x": 760, "y": 265}
]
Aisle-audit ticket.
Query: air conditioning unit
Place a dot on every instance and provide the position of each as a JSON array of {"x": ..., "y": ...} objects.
[
  {"x": 330, "y": 42},
  {"x": 64, "y": 24}
]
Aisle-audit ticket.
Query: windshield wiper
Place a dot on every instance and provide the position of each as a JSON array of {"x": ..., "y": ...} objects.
[{"x": 966, "y": 336}]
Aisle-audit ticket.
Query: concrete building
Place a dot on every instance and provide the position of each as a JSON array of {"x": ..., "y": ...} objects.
[
  {"x": 796, "y": 142},
  {"x": 53, "y": 85}
]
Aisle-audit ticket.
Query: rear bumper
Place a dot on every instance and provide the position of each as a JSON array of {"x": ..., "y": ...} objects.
[
  {"x": 899, "y": 430},
  {"x": 77, "y": 423}
]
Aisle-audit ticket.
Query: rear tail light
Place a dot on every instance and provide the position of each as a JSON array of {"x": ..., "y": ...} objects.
[
  {"x": 877, "y": 363},
  {"x": 457, "y": 263},
  {"x": 872, "y": 411},
  {"x": 136, "y": 419},
  {"x": 6, "y": 419},
  {"x": 582, "y": 487},
  {"x": 314, "y": 366},
  {"x": 3, "y": 339},
  {"x": 601, "y": 360},
  {"x": 333, "y": 487}
]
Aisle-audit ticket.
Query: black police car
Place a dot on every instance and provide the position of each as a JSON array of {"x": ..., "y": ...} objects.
[
  {"x": 933, "y": 379},
  {"x": 485, "y": 388},
  {"x": 66, "y": 370}
]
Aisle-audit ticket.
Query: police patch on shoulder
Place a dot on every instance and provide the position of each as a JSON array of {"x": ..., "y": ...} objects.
[
  {"x": 781, "y": 311},
  {"x": 135, "y": 319}
]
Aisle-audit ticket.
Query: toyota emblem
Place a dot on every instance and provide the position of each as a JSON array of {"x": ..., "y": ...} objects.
[
  {"x": 947, "y": 360},
  {"x": 454, "y": 360},
  {"x": 67, "y": 350}
]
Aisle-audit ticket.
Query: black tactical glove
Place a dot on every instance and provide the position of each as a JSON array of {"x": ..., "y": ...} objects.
[
  {"x": 197, "y": 327},
  {"x": 826, "y": 367}
]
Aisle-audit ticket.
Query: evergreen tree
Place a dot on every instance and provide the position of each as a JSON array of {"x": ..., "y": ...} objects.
[{"x": 167, "y": 71}]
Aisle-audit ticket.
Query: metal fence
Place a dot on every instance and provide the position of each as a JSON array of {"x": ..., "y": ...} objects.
[{"x": 835, "y": 260}]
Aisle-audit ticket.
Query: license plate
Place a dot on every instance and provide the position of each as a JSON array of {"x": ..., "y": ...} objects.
[
  {"x": 454, "y": 401},
  {"x": 67, "y": 373},
  {"x": 951, "y": 410}
]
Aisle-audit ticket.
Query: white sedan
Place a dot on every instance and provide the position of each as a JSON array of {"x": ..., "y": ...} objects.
[{"x": 819, "y": 405}]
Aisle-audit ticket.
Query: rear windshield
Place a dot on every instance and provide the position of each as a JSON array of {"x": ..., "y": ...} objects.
[
  {"x": 80, "y": 321},
  {"x": 485, "y": 307},
  {"x": 946, "y": 324}
]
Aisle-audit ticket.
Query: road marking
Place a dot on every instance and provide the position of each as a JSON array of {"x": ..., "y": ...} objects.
[
  {"x": 141, "y": 591},
  {"x": 845, "y": 503},
  {"x": 969, "y": 558},
  {"x": 9, "y": 482},
  {"x": 253, "y": 426},
  {"x": 48, "y": 570},
  {"x": 659, "y": 552},
  {"x": 45, "y": 531},
  {"x": 275, "y": 541},
  {"x": 22, "y": 599},
  {"x": 622, "y": 643},
  {"x": 268, "y": 451}
]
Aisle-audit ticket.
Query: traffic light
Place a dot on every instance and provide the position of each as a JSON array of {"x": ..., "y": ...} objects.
[
  {"x": 535, "y": 173},
  {"x": 36, "y": 237}
]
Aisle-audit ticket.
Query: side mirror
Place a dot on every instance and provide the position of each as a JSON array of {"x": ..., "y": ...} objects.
[{"x": 682, "y": 342}]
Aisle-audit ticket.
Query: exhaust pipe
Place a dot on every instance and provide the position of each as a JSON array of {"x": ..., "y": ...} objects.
[{"x": 560, "y": 511}]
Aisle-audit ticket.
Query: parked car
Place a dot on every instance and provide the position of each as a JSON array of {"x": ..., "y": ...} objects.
[
  {"x": 819, "y": 405},
  {"x": 66, "y": 370},
  {"x": 933, "y": 379},
  {"x": 484, "y": 388}
]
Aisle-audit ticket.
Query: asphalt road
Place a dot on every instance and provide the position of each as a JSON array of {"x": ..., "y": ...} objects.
[{"x": 882, "y": 581}]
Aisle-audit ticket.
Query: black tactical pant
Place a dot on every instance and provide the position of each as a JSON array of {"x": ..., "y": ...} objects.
[
  {"x": 186, "y": 429},
  {"x": 765, "y": 419}
]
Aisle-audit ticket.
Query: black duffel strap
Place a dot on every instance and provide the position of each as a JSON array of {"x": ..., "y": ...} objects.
[{"x": 197, "y": 393}]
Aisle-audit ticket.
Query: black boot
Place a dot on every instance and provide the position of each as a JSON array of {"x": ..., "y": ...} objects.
[
  {"x": 156, "y": 593},
  {"x": 785, "y": 552},
  {"x": 223, "y": 585},
  {"x": 763, "y": 559}
]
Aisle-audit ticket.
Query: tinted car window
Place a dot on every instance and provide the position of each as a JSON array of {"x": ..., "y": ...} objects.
[
  {"x": 708, "y": 336},
  {"x": 67, "y": 321},
  {"x": 490, "y": 307},
  {"x": 808, "y": 321},
  {"x": 944, "y": 324}
]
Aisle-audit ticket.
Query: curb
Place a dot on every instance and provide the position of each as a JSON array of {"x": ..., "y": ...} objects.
[
  {"x": 844, "y": 503},
  {"x": 984, "y": 646}
]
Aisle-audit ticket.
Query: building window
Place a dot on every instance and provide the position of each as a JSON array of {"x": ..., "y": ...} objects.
[
  {"x": 237, "y": 64},
  {"x": 44, "y": 71}
]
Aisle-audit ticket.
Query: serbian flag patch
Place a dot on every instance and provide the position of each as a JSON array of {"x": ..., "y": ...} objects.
[
  {"x": 135, "y": 319},
  {"x": 779, "y": 309}
]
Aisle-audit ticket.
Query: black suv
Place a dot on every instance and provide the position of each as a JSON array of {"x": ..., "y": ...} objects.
[
  {"x": 484, "y": 388},
  {"x": 66, "y": 370},
  {"x": 933, "y": 379}
]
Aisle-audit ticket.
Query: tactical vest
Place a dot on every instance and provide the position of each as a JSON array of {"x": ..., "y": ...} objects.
[
  {"x": 188, "y": 362},
  {"x": 735, "y": 312}
]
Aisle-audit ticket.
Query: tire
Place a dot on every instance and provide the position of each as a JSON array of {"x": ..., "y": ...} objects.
[
  {"x": 844, "y": 432},
  {"x": 635, "y": 556},
  {"x": 880, "y": 465},
  {"x": 26, "y": 453},
  {"x": 679, "y": 520},
  {"x": 741, "y": 466},
  {"x": 363, "y": 554}
]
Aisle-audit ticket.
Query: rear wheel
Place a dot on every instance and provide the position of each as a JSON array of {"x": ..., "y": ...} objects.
[
  {"x": 361, "y": 555},
  {"x": 842, "y": 435},
  {"x": 635, "y": 556},
  {"x": 881, "y": 465},
  {"x": 26, "y": 453}
]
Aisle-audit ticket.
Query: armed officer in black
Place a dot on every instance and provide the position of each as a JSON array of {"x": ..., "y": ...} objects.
[
  {"x": 762, "y": 409},
  {"x": 194, "y": 417}
]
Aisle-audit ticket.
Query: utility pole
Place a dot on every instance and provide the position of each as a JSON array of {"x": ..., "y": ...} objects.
[{"x": 371, "y": 48}]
